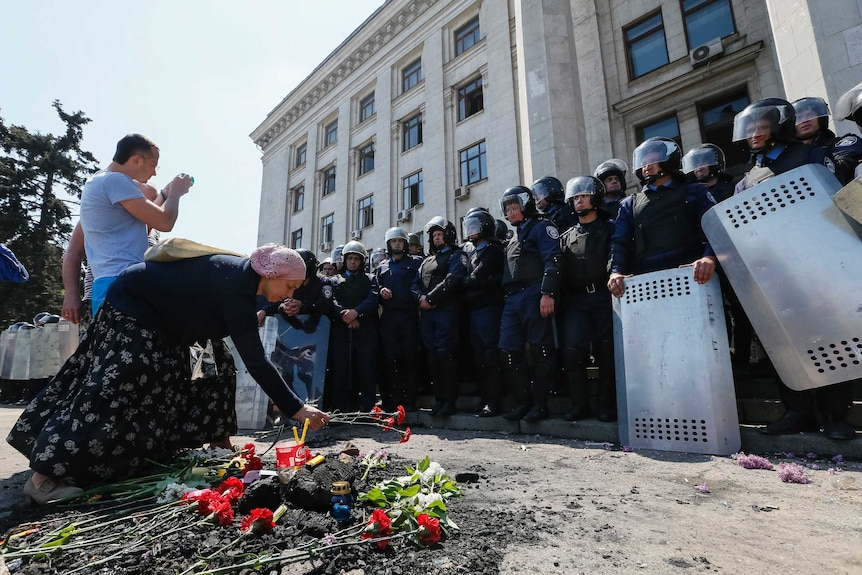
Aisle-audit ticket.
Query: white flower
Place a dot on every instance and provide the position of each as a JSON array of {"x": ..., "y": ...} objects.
[
  {"x": 434, "y": 470},
  {"x": 423, "y": 500}
]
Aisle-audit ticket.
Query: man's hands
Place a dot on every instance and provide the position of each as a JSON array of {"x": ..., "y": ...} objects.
[
  {"x": 386, "y": 293},
  {"x": 704, "y": 268},
  {"x": 351, "y": 318},
  {"x": 546, "y": 306},
  {"x": 616, "y": 285},
  {"x": 178, "y": 187},
  {"x": 423, "y": 303},
  {"x": 291, "y": 306}
]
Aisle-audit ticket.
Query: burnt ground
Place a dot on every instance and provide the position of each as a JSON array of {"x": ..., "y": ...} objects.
[{"x": 533, "y": 504}]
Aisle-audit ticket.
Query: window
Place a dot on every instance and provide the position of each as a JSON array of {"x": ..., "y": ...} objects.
[
  {"x": 364, "y": 212},
  {"x": 411, "y": 74},
  {"x": 366, "y": 107},
  {"x": 328, "y": 180},
  {"x": 706, "y": 20},
  {"x": 300, "y": 155},
  {"x": 298, "y": 198},
  {"x": 296, "y": 239},
  {"x": 412, "y": 132},
  {"x": 466, "y": 36},
  {"x": 366, "y": 158},
  {"x": 413, "y": 194},
  {"x": 326, "y": 225},
  {"x": 645, "y": 46},
  {"x": 330, "y": 134},
  {"x": 470, "y": 99},
  {"x": 473, "y": 167},
  {"x": 666, "y": 128},
  {"x": 716, "y": 122}
]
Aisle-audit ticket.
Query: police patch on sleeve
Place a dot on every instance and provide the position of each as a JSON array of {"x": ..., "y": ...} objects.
[
  {"x": 327, "y": 291},
  {"x": 827, "y": 161},
  {"x": 848, "y": 140},
  {"x": 464, "y": 260},
  {"x": 553, "y": 233}
]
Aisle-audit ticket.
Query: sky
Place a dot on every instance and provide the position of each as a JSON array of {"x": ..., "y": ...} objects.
[{"x": 194, "y": 76}]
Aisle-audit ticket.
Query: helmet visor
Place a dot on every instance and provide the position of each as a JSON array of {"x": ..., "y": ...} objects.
[
  {"x": 757, "y": 121},
  {"x": 700, "y": 158},
  {"x": 581, "y": 186},
  {"x": 809, "y": 109},
  {"x": 471, "y": 226},
  {"x": 651, "y": 152},
  {"x": 521, "y": 198}
]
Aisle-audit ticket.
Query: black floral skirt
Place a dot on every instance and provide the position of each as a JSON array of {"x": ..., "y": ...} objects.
[{"x": 122, "y": 401}]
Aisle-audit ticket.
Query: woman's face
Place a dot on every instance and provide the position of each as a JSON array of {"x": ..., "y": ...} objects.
[{"x": 274, "y": 289}]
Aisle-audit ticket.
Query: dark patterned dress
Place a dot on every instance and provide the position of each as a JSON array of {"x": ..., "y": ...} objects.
[{"x": 126, "y": 398}]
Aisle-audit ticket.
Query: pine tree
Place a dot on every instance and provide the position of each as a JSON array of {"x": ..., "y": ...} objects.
[{"x": 34, "y": 222}]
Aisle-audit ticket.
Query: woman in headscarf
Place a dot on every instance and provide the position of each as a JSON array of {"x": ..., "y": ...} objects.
[{"x": 126, "y": 396}]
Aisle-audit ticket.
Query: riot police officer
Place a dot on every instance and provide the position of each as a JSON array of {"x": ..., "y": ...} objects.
[
  {"x": 767, "y": 128},
  {"x": 530, "y": 282},
  {"x": 549, "y": 193},
  {"x": 588, "y": 313},
  {"x": 414, "y": 246},
  {"x": 847, "y": 150},
  {"x": 612, "y": 174},
  {"x": 353, "y": 340},
  {"x": 483, "y": 298},
  {"x": 659, "y": 227},
  {"x": 705, "y": 164},
  {"x": 812, "y": 122},
  {"x": 439, "y": 277},
  {"x": 338, "y": 259},
  {"x": 399, "y": 327}
]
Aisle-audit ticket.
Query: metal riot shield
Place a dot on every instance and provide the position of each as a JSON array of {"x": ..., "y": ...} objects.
[
  {"x": 4, "y": 343},
  {"x": 674, "y": 381},
  {"x": 38, "y": 345},
  {"x": 21, "y": 358},
  {"x": 251, "y": 401},
  {"x": 8, "y": 354},
  {"x": 793, "y": 261}
]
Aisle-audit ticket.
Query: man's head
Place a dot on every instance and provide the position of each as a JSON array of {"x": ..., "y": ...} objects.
[
  {"x": 517, "y": 204},
  {"x": 763, "y": 124},
  {"x": 441, "y": 233},
  {"x": 612, "y": 174},
  {"x": 547, "y": 191},
  {"x": 704, "y": 162},
  {"x": 414, "y": 244},
  {"x": 327, "y": 269},
  {"x": 812, "y": 117},
  {"x": 585, "y": 194},
  {"x": 138, "y": 156},
  {"x": 849, "y": 105},
  {"x": 354, "y": 256},
  {"x": 396, "y": 241},
  {"x": 656, "y": 160},
  {"x": 478, "y": 225}
]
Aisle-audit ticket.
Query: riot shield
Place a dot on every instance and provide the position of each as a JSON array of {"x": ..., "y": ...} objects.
[
  {"x": 674, "y": 381},
  {"x": 793, "y": 261}
]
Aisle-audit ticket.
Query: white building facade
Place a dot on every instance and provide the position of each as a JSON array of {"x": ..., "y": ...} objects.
[{"x": 432, "y": 107}]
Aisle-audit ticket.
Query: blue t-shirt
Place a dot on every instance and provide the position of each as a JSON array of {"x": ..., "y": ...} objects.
[{"x": 114, "y": 239}]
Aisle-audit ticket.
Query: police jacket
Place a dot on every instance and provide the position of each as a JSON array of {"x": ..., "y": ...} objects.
[
  {"x": 781, "y": 158},
  {"x": 398, "y": 276},
  {"x": 613, "y": 208},
  {"x": 586, "y": 255},
  {"x": 659, "y": 228},
  {"x": 484, "y": 275},
  {"x": 533, "y": 256},
  {"x": 440, "y": 275},
  {"x": 722, "y": 189},
  {"x": 846, "y": 152},
  {"x": 562, "y": 216},
  {"x": 356, "y": 291}
]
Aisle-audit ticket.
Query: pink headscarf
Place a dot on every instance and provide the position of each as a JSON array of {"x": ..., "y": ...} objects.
[{"x": 280, "y": 262}]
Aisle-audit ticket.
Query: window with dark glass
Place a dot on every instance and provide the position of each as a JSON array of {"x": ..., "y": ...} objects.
[
  {"x": 411, "y": 75},
  {"x": 330, "y": 134},
  {"x": 470, "y": 99},
  {"x": 666, "y": 128},
  {"x": 466, "y": 36},
  {"x": 366, "y": 107},
  {"x": 326, "y": 225},
  {"x": 366, "y": 158},
  {"x": 364, "y": 212},
  {"x": 328, "y": 180},
  {"x": 706, "y": 20},
  {"x": 473, "y": 167},
  {"x": 645, "y": 46},
  {"x": 716, "y": 125},
  {"x": 412, "y": 132},
  {"x": 412, "y": 187},
  {"x": 296, "y": 239},
  {"x": 300, "y": 155},
  {"x": 298, "y": 198}
]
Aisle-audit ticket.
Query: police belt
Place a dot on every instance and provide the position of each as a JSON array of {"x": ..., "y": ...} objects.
[{"x": 588, "y": 288}]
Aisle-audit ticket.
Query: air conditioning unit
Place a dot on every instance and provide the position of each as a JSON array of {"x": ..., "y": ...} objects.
[
  {"x": 461, "y": 193},
  {"x": 706, "y": 52},
  {"x": 404, "y": 215},
  {"x": 355, "y": 234},
  {"x": 326, "y": 246}
]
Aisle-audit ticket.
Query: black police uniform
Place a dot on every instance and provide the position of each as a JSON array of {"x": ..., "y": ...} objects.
[{"x": 588, "y": 316}]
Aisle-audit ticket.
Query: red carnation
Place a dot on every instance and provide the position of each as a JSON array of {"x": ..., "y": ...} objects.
[
  {"x": 248, "y": 450},
  {"x": 231, "y": 489},
  {"x": 258, "y": 521},
  {"x": 388, "y": 423},
  {"x": 406, "y": 437},
  {"x": 253, "y": 463},
  {"x": 379, "y": 525},
  {"x": 223, "y": 512},
  {"x": 402, "y": 415},
  {"x": 208, "y": 502},
  {"x": 376, "y": 412},
  {"x": 429, "y": 530}
]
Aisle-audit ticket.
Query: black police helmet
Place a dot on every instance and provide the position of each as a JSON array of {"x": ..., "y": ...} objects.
[
  {"x": 549, "y": 189},
  {"x": 663, "y": 151},
  {"x": 310, "y": 260},
  {"x": 812, "y": 107},
  {"x": 704, "y": 155},
  {"x": 586, "y": 185},
  {"x": 523, "y": 196},
  {"x": 779, "y": 114},
  {"x": 479, "y": 222},
  {"x": 613, "y": 167}
]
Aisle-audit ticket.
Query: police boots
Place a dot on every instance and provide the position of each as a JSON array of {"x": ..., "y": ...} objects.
[
  {"x": 517, "y": 383},
  {"x": 544, "y": 371},
  {"x": 575, "y": 361},
  {"x": 606, "y": 391}
]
